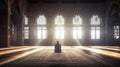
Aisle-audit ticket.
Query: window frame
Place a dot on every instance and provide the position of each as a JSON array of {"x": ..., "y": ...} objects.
[
  {"x": 26, "y": 32},
  {"x": 42, "y": 27},
  {"x": 59, "y": 32},
  {"x": 26, "y": 21},
  {"x": 78, "y": 30},
  {"x": 60, "y": 26},
  {"x": 95, "y": 23},
  {"x": 42, "y": 31},
  {"x": 96, "y": 29},
  {"x": 116, "y": 31},
  {"x": 77, "y": 23}
]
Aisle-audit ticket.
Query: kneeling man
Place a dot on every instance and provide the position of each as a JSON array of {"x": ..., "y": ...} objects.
[{"x": 57, "y": 48}]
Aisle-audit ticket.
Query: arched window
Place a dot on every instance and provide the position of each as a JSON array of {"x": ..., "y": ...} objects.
[
  {"x": 95, "y": 20},
  {"x": 42, "y": 32},
  {"x": 77, "y": 27},
  {"x": 95, "y": 27},
  {"x": 41, "y": 20},
  {"x": 13, "y": 29},
  {"x": 41, "y": 27},
  {"x": 116, "y": 32},
  {"x": 26, "y": 28},
  {"x": 59, "y": 27},
  {"x": 77, "y": 20},
  {"x": 26, "y": 32},
  {"x": 59, "y": 20},
  {"x": 59, "y": 32},
  {"x": 26, "y": 20}
]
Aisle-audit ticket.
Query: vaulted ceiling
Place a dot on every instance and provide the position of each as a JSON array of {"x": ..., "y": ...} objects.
[{"x": 67, "y": 1}]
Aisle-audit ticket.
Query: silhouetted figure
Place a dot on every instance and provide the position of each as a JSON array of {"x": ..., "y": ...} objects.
[{"x": 57, "y": 47}]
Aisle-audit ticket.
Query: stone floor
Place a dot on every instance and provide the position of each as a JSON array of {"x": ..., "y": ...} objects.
[{"x": 71, "y": 56}]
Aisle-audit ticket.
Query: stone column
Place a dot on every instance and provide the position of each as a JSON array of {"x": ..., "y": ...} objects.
[
  {"x": 20, "y": 11},
  {"x": 119, "y": 25},
  {"x": 32, "y": 30},
  {"x": 86, "y": 29},
  {"x": 4, "y": 24},
  {"x": 50, "y": 29},
  {"x": 20, "y": 31},
  {"x": 68, "y": 38}
]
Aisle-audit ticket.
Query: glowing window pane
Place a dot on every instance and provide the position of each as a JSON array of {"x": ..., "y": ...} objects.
[
  {"x": 95, "y": 20},
  {"x": 92, "y": 34},
  {"x": 41, "y": 20},
  {"x": 39, "y": 34},
  {"x": 74, "y": 34},
  {"x": 26, "y": 20},
  {"x": 59, "y": 32},
  {"x": 77, "y": 20},
  {"x": 13, "y": 29},
  {"x": 95, "y": 32},
  {"x": 77, "y": 32},
  {"x": 42, "y": 32},
  {"x": 116, "y": 32},
  {"x": 59, "y": 20},
  {"x": 26, "y": 32},
  {"x": 62, "y": 34}
]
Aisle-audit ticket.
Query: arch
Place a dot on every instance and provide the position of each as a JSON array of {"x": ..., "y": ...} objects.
[
  {"x": 26, "y": 32},
  {"x": 114, "y": 9},
  {"x": 59, "y": 28},
  {"x": 95, "y": 27},
  {"x": 77, "y": 20},
  {"x": 41, "y": 20},
  {"x": 26, "y": 20},
  {"x": 116, "y": 31},
  {"x": 77, "y": 27},
  {"x": 41, "y": 27},
  {"x": 95, "y": 20},
  {"x": 59, "y": 20}
]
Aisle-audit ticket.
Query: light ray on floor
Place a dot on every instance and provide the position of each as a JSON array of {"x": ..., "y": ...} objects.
[
  {"x": 20, "y": 56},
  {"x": 103, "y": 52}
]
